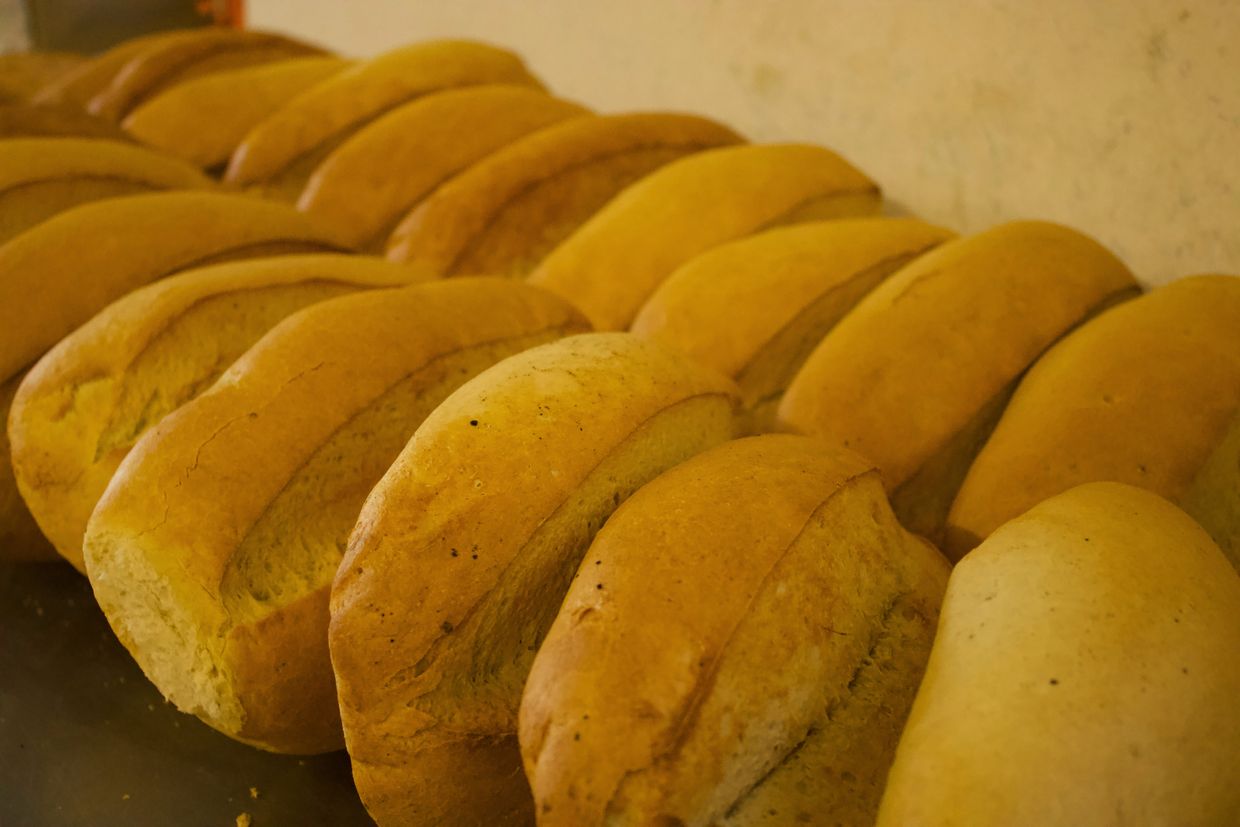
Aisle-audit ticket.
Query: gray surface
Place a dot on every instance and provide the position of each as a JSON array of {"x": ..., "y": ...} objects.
[{"x": 85, "y": 739}]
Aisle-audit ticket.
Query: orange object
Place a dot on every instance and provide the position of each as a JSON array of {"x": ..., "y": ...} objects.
[{"x": 223, "y": 12}]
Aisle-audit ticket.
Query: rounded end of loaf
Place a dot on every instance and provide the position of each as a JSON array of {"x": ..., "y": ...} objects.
[{"x": 1098, "y": 607}]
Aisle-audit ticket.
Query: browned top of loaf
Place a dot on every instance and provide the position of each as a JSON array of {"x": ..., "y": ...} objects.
[
  {"x": 1142, "y": 394},
  {"x": 58, "y": 274},
  {"x": 440, "y": 230},
  {"x": 916, "y": 359},
  {"x": 515, "y": 441},
  {"x": 349, "y": 99},
  {"x": 376, "y": 338}
]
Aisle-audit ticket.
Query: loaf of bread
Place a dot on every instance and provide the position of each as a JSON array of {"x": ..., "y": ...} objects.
[
  {"x": 279, "y": 154},
  {"x": 1144, "y": 394},
  {"x": 219, "y": 585},
  {"x": 916, "y": 375},
  {"x": 1084, "y": 672},
  {"x": 57, "y": 275},
  {"x": 40, "y": 177},
  {"x": 384, "y": 169},
  {"x": 203, "y": 120},
  {"x": 463, "y": 553},
  {"x": 740, "y": 646},
  {"x": 755, "y": 308},
  {"x": 90, "y": 398},
  {"x": 166, "y": 63},
  {"x": 506, "y": 212},
  {"x": 612, "y": 263}
]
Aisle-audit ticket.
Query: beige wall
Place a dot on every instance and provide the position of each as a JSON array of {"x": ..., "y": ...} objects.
[{"x": 1120, "y": 117}]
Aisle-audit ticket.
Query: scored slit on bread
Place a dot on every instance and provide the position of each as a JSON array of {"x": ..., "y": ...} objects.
[
  {"x": 93, "y": 395},
  {"x": 260, "y": 480},
  {"x": 463, "y": 552},
  {"x": 508, "y": 211},
  {"x": 757, "y": 307},
  {"x": 915, "y": 376},
  {"x": 740, "y": 644},
  {"x": 611, "y": 264}
]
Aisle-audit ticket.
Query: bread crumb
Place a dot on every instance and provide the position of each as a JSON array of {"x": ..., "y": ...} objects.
[
  {"x": 254, "y": 793},
  {"x": 244, "y": 820}
]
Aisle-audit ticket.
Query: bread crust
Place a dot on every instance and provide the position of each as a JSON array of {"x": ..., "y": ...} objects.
[
  {"x": 1084, "y": 672},
  {"x": 219, "y": 585},
  {"x": 492, "y": 503},
  {"x": 204, "y": 119},
  {"x": 1142, "y": 394},
  {"x": 904, "y": 378},
  {"x": 40, "y": 177},
  {"x": 612, "y": 263},
  {"x": 755, "y": 308},
  {"x": 91, "y": 397},
  {"x": 751, "y": 620},
  {"x": 57, "y": 275},
  {"x": 385, "y": 168},
  {"x": 506, "y": 212},
  {"x": 321, "y": 115}
]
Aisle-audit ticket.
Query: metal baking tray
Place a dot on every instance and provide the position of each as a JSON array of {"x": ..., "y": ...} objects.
[{"x": 87, "y": 741}]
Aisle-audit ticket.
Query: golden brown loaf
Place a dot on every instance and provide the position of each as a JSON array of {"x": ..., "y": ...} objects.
[
  {"x": 740, "y": 646},
  {"x": 916, "y": 375},
  {"x": 611, "y": 265},
  {"x": 219, "y": 586},
  {"x": 203, "y": 120},
  {"x": 754, "y": 309},
  {"x": 40, "y": 177},
  {"x": 166, "y": 63},
  {"x": 280, "y": 152},
  {"x": 90, "y": 398},
  {"x": 1144, "y": 394},
  {"x": 463, "y": 552},
  {"x": 376, "y": 176},
  {"x": 506, "y": 212},
  {"x": 1084, "y": 672}
]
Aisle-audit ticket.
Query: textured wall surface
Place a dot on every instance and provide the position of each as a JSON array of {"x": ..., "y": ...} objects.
[{"x": 1120, "y": 118}]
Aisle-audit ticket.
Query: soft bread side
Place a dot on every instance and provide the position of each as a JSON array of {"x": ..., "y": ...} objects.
[
  {"x": 611, "y": 265},
  {"x": 203, "y": 120},
  {"x": 93, "y": 395},
  {"x": 40, "y": 177},
  {"x": 280, "y": 152},
  {"x": 463, "y": 552},
  {"x": 754, "y": 309},
  {"x": 504, "y": 214},
  {"x": 916, "y": 375},
  {"x": 740, "y": 646},
  {"x": 1084, "y": 672},
  {"x": 1143, "y": 394},
  {"x": 367, "y": 183},
  {"x": 218, "y": 584}
]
